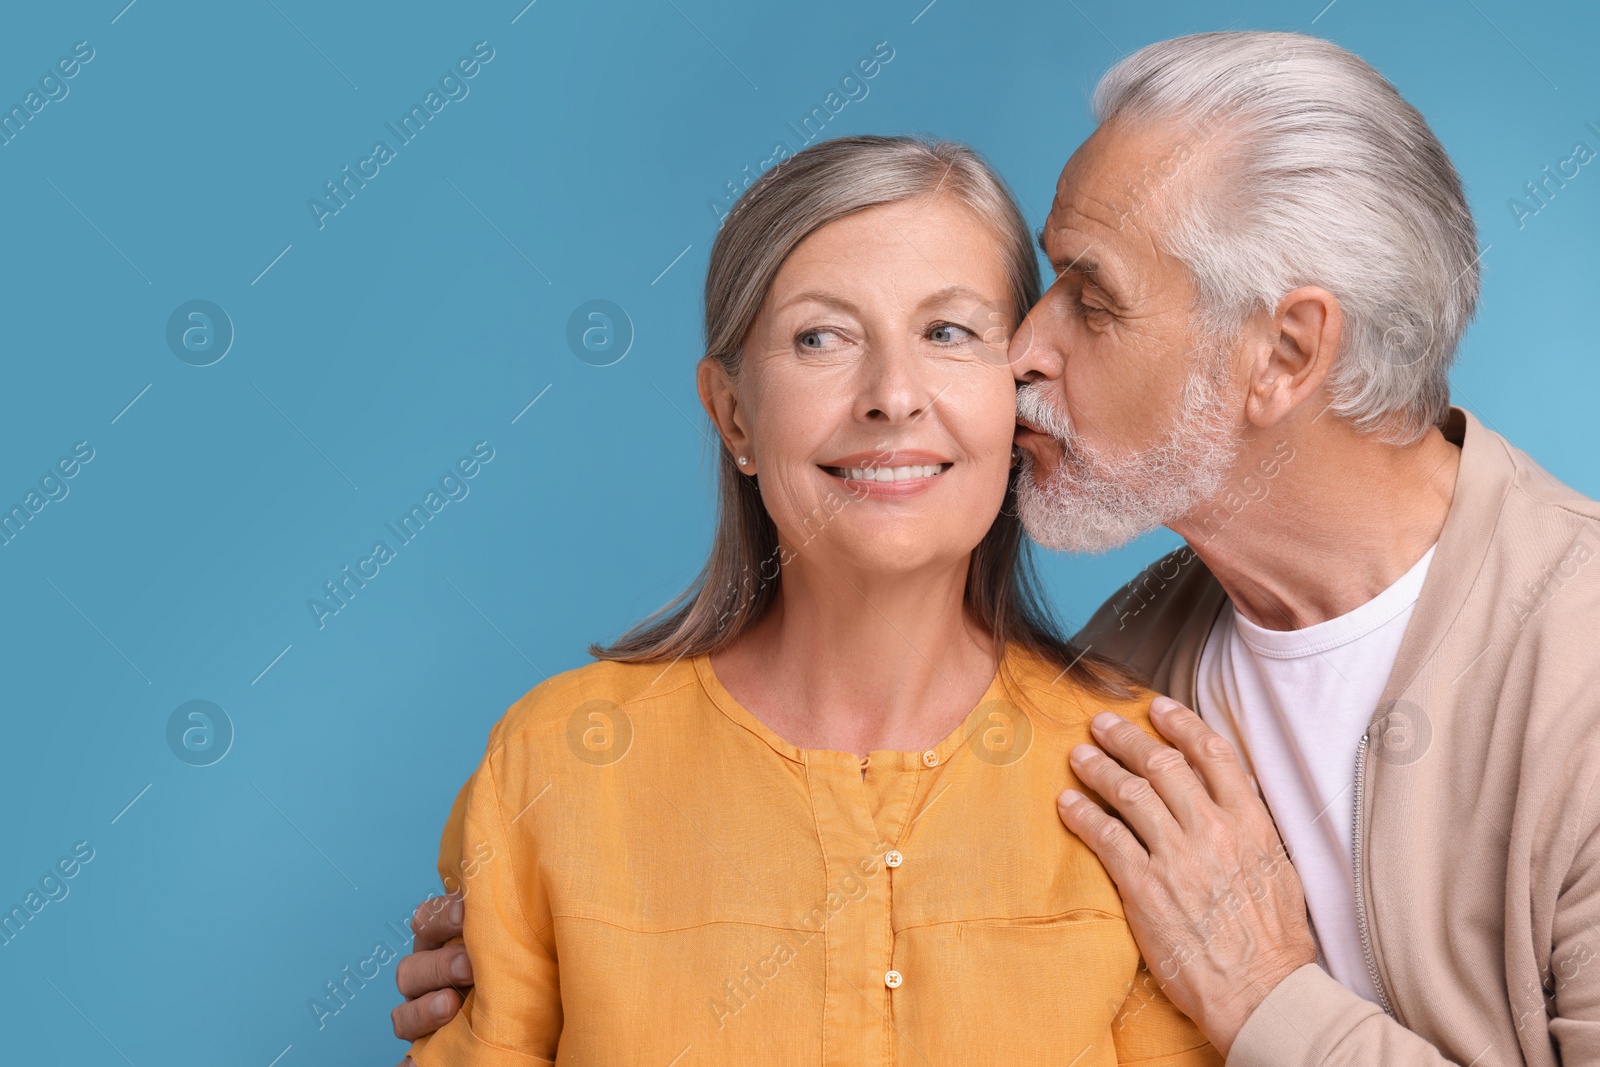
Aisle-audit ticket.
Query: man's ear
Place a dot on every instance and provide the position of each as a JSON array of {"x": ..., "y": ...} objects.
[
  {"x": 722, "y": 404},
  {"x": 1294, "y": 363}
]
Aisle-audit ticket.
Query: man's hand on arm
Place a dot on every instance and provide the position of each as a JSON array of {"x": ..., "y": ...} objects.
[
  {"x": 1209, "y": 892},
  {"x": 434, "y": 977}
]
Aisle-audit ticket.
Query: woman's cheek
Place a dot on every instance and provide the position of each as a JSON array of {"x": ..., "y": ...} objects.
[
  {"x": 777, "y": 496},
  {"x": 987, "y": 419},
  {"x": 793, "y": 500},
  {"x": 990, "y": 436},
  {"x": 997, "y": 473}
]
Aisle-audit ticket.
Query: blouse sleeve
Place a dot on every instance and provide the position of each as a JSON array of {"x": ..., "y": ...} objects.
[
  {"x": 1151, "y": 1032},
  {"x": 512, "y": 1015}
]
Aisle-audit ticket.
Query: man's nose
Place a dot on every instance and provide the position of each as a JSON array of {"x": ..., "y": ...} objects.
[{"x": 1032, "y": 353}]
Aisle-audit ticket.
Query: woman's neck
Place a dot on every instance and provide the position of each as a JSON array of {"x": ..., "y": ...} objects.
[{"x": 854, "y": 662}]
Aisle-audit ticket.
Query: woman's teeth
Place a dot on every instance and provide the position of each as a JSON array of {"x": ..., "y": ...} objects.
[{"x": 889, "y": 474}]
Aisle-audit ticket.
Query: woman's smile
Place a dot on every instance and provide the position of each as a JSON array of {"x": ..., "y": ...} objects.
[{"x": 888, "y": 475}]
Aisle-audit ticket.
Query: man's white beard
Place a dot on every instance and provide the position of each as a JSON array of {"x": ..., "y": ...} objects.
[{"x": 1093, "y": 502}]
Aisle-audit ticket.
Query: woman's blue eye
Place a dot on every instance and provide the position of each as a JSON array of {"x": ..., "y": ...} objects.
[
  {"x": 946, "y": 333},
  {"x": 811, "y": 339}
]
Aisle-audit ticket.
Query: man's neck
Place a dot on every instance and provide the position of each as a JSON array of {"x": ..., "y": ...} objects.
[{"x": 1340, "y": 518}]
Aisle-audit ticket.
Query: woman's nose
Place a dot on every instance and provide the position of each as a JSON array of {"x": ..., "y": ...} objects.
[{"x": 895, "y": 386}]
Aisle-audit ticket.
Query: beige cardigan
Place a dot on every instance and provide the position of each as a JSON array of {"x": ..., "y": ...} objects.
[{"x": 1477, "y": 865}]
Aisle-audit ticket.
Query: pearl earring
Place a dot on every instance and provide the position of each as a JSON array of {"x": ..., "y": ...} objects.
[{"x": 744, "y": 461}]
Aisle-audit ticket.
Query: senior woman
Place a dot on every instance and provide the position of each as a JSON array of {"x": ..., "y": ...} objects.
[{"x": 807, "y": 814}]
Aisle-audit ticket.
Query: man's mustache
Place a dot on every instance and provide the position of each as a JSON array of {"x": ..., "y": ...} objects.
[{"x": 1038, "y": 413}]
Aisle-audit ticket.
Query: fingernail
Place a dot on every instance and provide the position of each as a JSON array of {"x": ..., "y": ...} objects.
[
  {"x": 456, "y": 913},
  {"x": 1069, "y": 797},
  {"x": 461, "y": 968},
  {"x": 1105, "y": 720},
  {"x": 441, "y": 1005},
  {"x": 1082, "y": 753},
  {"x": 1162, "y": 705}
]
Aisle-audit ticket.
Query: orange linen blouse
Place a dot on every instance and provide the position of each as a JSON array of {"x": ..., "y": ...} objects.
[{"x": 654, "y": 877}]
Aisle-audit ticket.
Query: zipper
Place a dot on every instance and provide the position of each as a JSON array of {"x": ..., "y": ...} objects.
[{"x": 1355, "y": 858}]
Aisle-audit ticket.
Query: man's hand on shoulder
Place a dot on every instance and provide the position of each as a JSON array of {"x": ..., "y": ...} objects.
[
  {"x": 1210, "y": 894},
  {"x": 434, "y": 977}
]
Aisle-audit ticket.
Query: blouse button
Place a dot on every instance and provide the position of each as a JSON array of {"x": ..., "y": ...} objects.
[
  {"x": 892, "y": 979},
  {"x": 930, "y": 758},
  {"x": 893, "y": 858}
]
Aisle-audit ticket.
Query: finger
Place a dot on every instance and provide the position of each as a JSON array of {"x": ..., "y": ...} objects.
[
  {"x": 436, "y": 920},
  {"x": 1209, "y": 754},
  {"x": 1163, "y": 766},
  {"x": 419, "y": 1018},
  {"x": 1140, "y": 806},
  {"x": 426, "y": 971},
  {"x": 1116, "y": 846}
]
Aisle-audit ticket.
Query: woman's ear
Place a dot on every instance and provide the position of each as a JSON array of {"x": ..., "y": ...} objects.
[
  {"x": 721, "y": 401},
  {"x": 1304, "y": 339}
]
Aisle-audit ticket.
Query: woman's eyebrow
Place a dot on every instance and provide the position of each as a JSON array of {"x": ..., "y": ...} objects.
[
  {"x": 818, "y": 296},
  {"x": 943, "y": 296},
  {"x": 949, "y": 293}
]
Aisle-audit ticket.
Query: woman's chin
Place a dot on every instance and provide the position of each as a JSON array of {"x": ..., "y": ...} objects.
[{"x": 888, "y": 552}]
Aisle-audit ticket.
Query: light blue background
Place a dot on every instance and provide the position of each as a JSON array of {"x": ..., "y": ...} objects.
[{"x": 378, "y": 349}]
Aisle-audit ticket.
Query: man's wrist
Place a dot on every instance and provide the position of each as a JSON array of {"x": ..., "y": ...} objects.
[{"x": 1222, "y": 1028}]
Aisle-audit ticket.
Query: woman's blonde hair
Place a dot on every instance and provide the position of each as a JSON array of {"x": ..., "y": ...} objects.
[{"x": 820, "y": 185}]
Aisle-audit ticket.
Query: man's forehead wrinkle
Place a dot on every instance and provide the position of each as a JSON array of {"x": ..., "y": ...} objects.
[
  {"x": 1098, "y": 209},
  {"x": 1119, "y": 174},
  {"x": 1090, "y": 216},
  {"x": 1085, "y": 217},
  {"x": 1068, "y": 245},
  {"x": 1064, "y": 188}
]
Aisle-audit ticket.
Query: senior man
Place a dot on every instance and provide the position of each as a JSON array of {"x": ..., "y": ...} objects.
[{"x": 1384, "y": 612}]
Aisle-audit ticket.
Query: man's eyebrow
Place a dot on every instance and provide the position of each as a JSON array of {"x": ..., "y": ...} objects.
[{"x": 1081, "y": 264}]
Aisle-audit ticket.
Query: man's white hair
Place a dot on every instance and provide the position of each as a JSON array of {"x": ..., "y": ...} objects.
[{"x": 1313, "y": 171}]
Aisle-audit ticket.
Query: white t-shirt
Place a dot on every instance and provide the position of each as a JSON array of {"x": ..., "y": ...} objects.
[{"x": 1295, "y": 703}]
